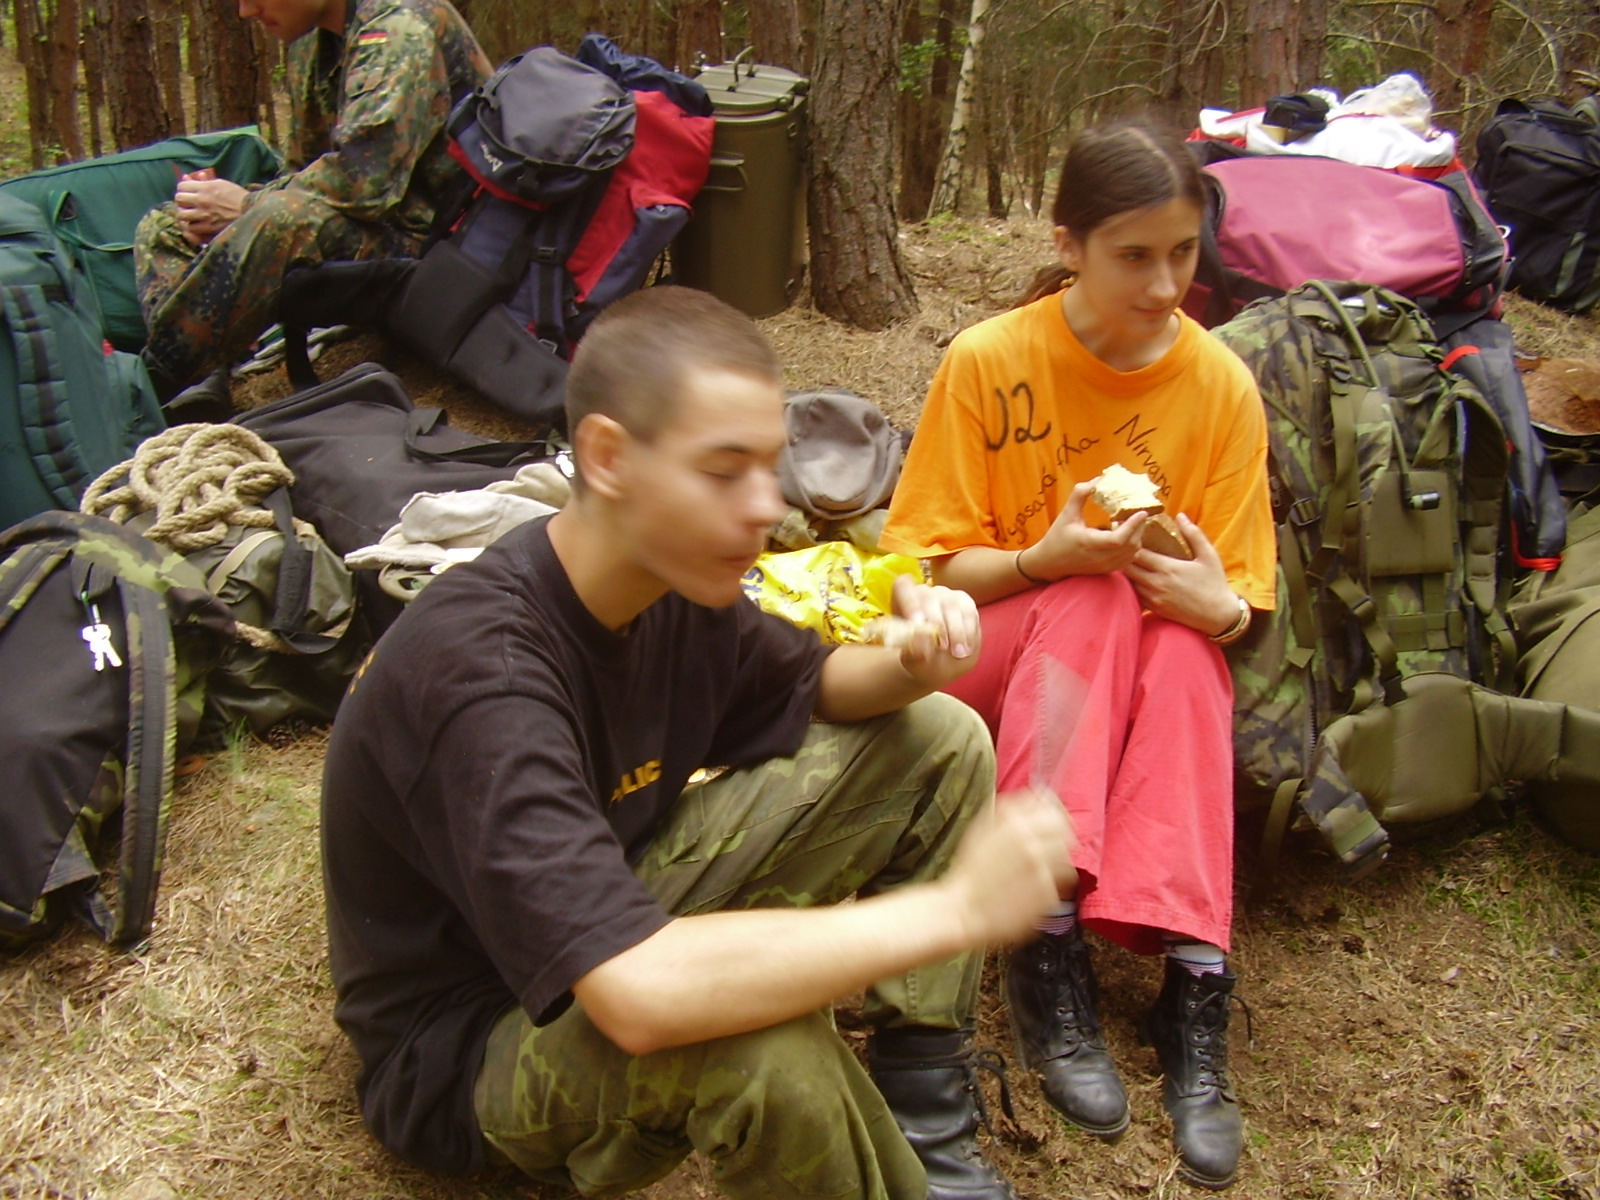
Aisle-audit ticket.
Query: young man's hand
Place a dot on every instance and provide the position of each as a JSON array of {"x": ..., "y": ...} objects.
[
  {"x": 947, "y": 634},
  {"x": 1012, "y": 865},
  {"x": 207, "y": 205}
]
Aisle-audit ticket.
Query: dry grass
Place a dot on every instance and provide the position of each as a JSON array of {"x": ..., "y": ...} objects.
[{"x": 1434, "y": 1033}]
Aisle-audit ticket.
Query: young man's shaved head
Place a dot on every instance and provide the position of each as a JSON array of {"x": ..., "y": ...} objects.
[{"x": 631, "y": 364}]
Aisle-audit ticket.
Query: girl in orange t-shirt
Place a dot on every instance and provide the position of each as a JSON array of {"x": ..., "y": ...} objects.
[{"x": 1102, "y": 673}]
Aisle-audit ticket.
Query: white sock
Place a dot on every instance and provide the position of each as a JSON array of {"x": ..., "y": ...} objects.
[
  {"x": 1061, "y": 919},
  {"x": 1198, "y": 958}
]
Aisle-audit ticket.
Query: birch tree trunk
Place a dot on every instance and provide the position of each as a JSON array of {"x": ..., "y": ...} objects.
[
  {"x": 857, "y": 273},
  {"x": 947, "y": 187}
]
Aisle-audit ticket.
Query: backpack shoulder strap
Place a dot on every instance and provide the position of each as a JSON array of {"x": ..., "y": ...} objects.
[
  {"x": 148, "y": 770},
  {"x": 42, "y": 387},
  {"x": 142, "y": 573}
]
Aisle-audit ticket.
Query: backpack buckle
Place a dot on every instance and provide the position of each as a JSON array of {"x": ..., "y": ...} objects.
[{"x": 1304, "y": 512}]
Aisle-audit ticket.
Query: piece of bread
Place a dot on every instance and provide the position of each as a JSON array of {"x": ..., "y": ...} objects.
[
  {"x": 1161, "y": 534},
  {"x": 1122, "y": 493},
  {"x": 896, "y": 631}
]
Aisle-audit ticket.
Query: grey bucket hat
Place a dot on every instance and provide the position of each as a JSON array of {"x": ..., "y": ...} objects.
[{"x": 843, "y": 456}]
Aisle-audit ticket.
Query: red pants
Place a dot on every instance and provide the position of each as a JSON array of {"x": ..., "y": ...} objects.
[{"x": 1133, "y": 730}]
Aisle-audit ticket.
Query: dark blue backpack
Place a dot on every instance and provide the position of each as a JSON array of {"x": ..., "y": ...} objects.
[{"x": 581, "y": 170}]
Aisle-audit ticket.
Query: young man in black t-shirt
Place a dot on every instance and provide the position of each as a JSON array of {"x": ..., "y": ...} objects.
[{"x": 551, "y": 947}]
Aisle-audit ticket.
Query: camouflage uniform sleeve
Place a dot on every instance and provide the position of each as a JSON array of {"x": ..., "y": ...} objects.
[{"x": 396, "y": 100}]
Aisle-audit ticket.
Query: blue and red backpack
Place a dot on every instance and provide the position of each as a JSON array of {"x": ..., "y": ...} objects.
[{"x": 580, "y": 170}]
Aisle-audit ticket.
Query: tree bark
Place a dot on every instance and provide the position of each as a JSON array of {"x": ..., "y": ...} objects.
[
  {"x": 132, "y": 92},
  {"x": 923, "y": 116},
  {"x": 994, "y": 160},
  {"x": 699, "y": 33},
  {"x": 29, "y": 25},
  {"x": 224, "y": 67},
  {"x": 857, "y": 273},
  {"x": 947, "y": 186},
  {"x": 1462, "y": 48},
  {"x": 1201, "y": 48},
  {"x": 1283, "y": 48},
  {"x": 96, "y": 26},
  {"x": 166, "y": 37},
  {"x": 61, "y": 61},
  {"x": 775, "y": 33}
]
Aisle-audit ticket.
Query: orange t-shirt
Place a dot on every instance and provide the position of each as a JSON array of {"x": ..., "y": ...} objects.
[{"x": 1019, "y": 412}]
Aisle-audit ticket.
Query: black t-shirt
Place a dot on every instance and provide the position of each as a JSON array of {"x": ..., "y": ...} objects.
[{"x": 494, "y": 768}]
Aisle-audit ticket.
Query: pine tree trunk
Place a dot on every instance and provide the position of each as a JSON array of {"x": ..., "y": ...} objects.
[
  {"x": 699, "y": 33},
  {"x": 1283, "y": 48},
  {"x": 96, "y": 49},
  {"x": 166, "y": 37},
  {"x": 61, "y": 55},
  {"x": 857, "y": 274},
  {"x": 224, "y": 67},
  {"x": 923, "y": 118},
  {"x": 947, "y": 186},
  {"x": 994, "y": 156},
  {"x": 29, "y": 25},
  {"x": 133, "y": 92},
  {"x": 1461, "y": 42},
  {"x": 775, "y": 33}
]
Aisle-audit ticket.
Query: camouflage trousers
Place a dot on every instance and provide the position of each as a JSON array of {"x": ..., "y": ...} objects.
[
  {"x": 786, "y": 1111},
  {"x": 205, "y": 305}
]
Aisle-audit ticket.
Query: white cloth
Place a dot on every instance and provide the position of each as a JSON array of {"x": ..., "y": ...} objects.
[
  {"x": 437, "y": 529},
  {"x": 1388, "y": 126}
]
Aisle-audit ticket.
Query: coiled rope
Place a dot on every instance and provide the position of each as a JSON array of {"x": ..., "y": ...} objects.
[{"x": 198, "y": 480}]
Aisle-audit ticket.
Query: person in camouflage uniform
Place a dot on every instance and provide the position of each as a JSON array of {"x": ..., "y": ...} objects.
[
  {"x": 509, "y": 825},
  {"x": 371, "y": 84}
]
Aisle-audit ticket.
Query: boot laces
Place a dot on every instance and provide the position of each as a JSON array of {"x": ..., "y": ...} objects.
[
  {"x": 1206, "y": 1032},
  {"x": 994, "y": 1062},
  {"x": 1068, "y": 963}
]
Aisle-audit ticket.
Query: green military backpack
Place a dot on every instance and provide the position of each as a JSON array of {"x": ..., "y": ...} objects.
[
  {"x": 1375, "y": 690},
  {"x": 105, "y": 643},
  {"x": 94, "y": 205},
  {"x": 69, "y": 408}
]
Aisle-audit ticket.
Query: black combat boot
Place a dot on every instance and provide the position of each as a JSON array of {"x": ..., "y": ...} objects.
[
  {"x": 1054, "y": 999},
  {"x": 209, "y": 401},
  {"x": 929, "y": 1077},
  {"x": 1189, "y": 1029}
]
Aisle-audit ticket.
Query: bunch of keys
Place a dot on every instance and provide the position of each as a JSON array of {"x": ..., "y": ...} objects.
[{"x": 98, "y": 634}]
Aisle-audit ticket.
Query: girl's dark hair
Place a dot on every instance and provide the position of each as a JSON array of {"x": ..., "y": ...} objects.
[{"x": 1113, "y": 169}]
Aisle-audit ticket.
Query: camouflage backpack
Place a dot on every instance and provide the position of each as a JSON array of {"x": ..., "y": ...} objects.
[
  {"x": 105, "y": 642},
  {"x": 1387, "y": 479}
]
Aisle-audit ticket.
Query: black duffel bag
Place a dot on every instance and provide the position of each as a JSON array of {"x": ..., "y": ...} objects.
[
  {"x": 1539, "y": 171},
  {"x": 360, "y": 449}
]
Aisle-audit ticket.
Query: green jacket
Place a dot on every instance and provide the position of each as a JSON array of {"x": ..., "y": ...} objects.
[{"x": 369, "y": 109}]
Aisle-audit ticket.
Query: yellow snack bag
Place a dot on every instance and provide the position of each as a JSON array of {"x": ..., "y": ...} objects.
[{"x": 834, "y": 588}]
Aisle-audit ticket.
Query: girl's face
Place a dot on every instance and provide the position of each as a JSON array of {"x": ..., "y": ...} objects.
[{"x": 1132, "y": 271}]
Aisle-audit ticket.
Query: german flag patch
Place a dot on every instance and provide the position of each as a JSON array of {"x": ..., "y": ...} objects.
[{"x": 372, "y": 37}]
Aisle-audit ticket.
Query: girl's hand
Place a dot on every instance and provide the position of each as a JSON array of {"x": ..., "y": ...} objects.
[
  {"x": 1071, "y": 547},
  {"x": 1195, "y": 593}
]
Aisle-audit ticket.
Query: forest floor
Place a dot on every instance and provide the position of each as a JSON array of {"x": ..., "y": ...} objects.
[{"x": 1431, "y": 1033}]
